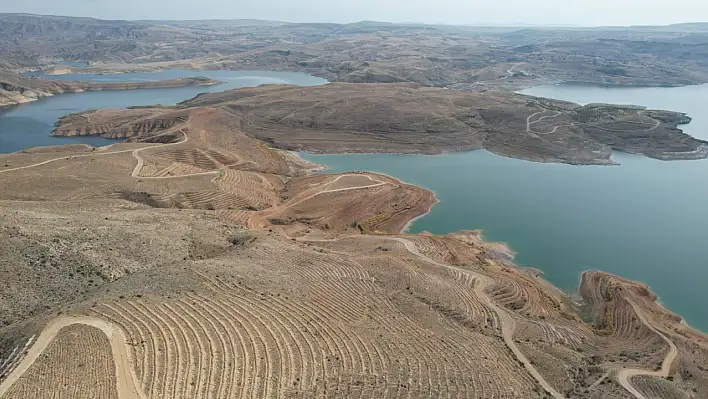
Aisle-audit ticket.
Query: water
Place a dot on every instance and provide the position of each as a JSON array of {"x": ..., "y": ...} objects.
[
  {"x": 645, "y": 220},
  {"x": 29, "y": 125}
]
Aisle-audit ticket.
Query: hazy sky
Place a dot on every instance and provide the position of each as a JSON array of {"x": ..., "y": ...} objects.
[{"x": 495, "y": 12}]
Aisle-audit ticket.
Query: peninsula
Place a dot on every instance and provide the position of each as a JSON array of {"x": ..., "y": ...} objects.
[
  {"x": 408, "y": 118},
  {"x": 201, "y": 257},
  {"x": 17, "y": 90}
]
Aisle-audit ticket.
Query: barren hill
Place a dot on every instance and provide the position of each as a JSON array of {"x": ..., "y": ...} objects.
[
  {"x": 406, "y": 118},
  {"x": 17, "y": 90},
  {"x": 460, "y": 57},
  {"x": 195, "y": 261}
]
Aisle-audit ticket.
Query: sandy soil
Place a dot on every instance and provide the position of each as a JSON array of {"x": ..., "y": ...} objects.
[
  {"x": 127, "y": 381},
  {"x": 220, "y": 267}
]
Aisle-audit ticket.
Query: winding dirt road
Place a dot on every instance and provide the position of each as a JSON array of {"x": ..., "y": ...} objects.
[
  {"x": 135, "y": 153},
  {"x": 141, "y": 161},
  {"x": 529, "y": 122},
  {"x": 127, "y": 382},
  {"x": 624, "y": 377},
  {"x": 508, "y": 324},
  {"x": 325, "y": 190},
  {"x": 256, "y": 221},
  {"x": 93, "y": 154}
]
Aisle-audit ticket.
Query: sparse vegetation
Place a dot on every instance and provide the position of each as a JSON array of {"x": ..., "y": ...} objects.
[{"x": 241, "y": 239}]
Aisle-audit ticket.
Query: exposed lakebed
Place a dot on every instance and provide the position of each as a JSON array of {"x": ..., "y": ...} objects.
[
  {"x": 646, "y": 220},
  {"x": 29, "y": 125}
]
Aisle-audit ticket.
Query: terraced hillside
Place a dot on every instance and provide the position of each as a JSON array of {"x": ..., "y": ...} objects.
[
  {"x": 344, "y": 336},
  {"x": 195, "y": 261},
  {"x": 77, "y": 363},
  {"x": 365, "y": 316}
]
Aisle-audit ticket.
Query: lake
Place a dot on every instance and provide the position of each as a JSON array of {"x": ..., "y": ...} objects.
[
  {"x": 29, "y": 125},
  {"x": 645, "y": 220}
]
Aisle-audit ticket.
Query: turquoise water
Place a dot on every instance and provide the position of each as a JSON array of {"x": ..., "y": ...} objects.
[
  {"x": 29, "y": 125},
  {"x": 646, "y": 220}
]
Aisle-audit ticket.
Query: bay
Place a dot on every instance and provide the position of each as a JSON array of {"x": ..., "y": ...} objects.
[
  {"x": 646, "y": 220},
  {"x": 29, "y": 125}
]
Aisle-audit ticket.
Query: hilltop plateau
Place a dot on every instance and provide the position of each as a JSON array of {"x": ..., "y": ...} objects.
[{"x": 406, "y": 118}]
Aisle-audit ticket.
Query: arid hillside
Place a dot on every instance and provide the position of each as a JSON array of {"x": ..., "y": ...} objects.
[
  {"x": 196, "y": 261},
  {"x": 18, "y": 90},
  {"x": 406, "y": 118},
  {"x": 460, "y": 57},
  {"x": 201, "y": 258}
]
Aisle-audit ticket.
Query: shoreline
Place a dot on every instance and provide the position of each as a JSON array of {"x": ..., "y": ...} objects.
[
  {"x": 323, "y": 168},
  {"x": 102, "y": 68},
  {"x": 78, "y": 87},
  {"x": 540, "y": 276},
  {"x": 406, "y": 228},
  {"x": 410, "y": 222}
]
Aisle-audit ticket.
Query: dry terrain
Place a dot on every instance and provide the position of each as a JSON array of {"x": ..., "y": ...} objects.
[
  {"x": 76, "y": 361},
  {"x": 199, "y": 258},
  {"x": 461, "y": 57},
  {"x": 407, "y": 118},
  {"x": 196, "y": 261},
  {"x": 18, "y": 90}
]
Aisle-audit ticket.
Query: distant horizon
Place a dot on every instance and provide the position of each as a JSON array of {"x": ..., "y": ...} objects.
[
  {"x": 499, "y": 25},
  {"x": 500, "y": 13}
]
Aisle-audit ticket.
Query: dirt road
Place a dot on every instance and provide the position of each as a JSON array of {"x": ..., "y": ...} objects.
[
  {"x": 508, "y": 324},
  {"x": 624, "y": 377},
  {"x": 325, "y": 190},
  {"x": 257, "y": 220},
  {"x": 127, "y": 382},
  {"x": 93, "y": 154},
  {"x": 529, "y": 122}
]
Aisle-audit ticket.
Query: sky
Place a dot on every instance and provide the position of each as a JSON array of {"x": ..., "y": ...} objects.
[{"x": 459, "y": 12}]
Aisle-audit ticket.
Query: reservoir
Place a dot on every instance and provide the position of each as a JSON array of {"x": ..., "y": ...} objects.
[
  {"x": 646, "y": 220},
  {"x": 29, "y": 125}
]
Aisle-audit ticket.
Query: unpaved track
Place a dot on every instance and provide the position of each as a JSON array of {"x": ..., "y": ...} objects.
[
  {"x": 529, "y": 122},
  {"x": 127, "y": 382},
  {"x": 135, "y": 153},
  {"x": 508, "y": 324},
  {"x": 325, "y": 190},
  {"x": 254, "y": 222},
  {"x": 93, "y": 154},
  {"x": 141, "y": 161},
  {"x": 624, "y": 377}
]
